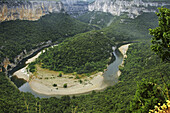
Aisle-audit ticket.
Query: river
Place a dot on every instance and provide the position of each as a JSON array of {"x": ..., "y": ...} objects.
[{"x": 110, "y": 76}]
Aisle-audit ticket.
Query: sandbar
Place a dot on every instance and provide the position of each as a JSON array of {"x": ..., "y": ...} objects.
[{"x": 123, "y": 49}]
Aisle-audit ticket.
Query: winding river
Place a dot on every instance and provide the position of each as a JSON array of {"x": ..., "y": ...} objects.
[{"x": 110, "y": 75}]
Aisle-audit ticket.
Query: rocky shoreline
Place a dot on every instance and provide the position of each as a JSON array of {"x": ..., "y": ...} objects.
[{"x": 22, "y": 58}]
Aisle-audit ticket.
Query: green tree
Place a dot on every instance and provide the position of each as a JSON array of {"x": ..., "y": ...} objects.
[
  {"x": 60, "y": 75},
  {"x": 161, "y": 35},
  {"x": 65, "y": 85},
  {"x": 147, "y": 95}
]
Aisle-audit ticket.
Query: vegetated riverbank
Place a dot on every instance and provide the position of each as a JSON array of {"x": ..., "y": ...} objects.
[{"x": 49, "y": 83}]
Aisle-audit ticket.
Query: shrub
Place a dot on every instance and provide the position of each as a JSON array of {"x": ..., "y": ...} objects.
[
  {"x": 65, "y": 85},
  {"x": 60, "y": 75},
  {"x": 54, "y": 85}
]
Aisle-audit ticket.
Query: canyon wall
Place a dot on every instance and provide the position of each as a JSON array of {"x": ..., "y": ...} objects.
[
  {"x": 31, "y": 10},
  {"x": 132, "y": 7}
]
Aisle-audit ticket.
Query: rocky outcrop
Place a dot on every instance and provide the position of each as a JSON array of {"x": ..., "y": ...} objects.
[
  {"x": 9, "y": 66},
  {"x": 31, "y": 10},
  {"x": 132, "y": 7},
  {"x": 75, "y": 7}
]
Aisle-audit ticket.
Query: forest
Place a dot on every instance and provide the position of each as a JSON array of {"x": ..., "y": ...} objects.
[
  {"x": 83, "y": 53},
  {"x": 141, "y": 63},
  {"x": 17, "y": 36}
]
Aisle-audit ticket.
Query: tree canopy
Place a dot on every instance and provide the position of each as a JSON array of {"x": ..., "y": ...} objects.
[
  {"x": 161, "y": 35},
  {"x": 83, "y": 53}
]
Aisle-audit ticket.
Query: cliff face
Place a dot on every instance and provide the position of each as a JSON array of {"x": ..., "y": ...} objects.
[
  {"x": 75, "y": 7},
  {"x": 132, "y": 7},
  {"x": 31, "y": 10}
]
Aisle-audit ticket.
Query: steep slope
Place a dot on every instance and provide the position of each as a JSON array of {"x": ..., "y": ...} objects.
[
  {"x": 83, "y": 53},
  {"x": 123, "y": 28},
  {"x": 141, "y": 63},
  {"x": 18, "y": 37},
  {"x": 100, "y": 19}
]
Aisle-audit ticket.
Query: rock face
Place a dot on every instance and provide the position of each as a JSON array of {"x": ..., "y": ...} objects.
[
  {"x": 75, "y": 7},
  {"x": 132, "y": 7},
  {"x": 31, "y": 10}
]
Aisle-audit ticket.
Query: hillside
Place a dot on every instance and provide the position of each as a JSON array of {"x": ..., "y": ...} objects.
[
  {"x": 101, "y": 19},
  {"x": 82, "y": 53},
  {"x": 141, "y": 63},
  {"x": 123, "y": 28},
  {"x": 17, "y": 36}
]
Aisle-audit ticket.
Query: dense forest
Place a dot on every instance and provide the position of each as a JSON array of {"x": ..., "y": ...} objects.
[
  {"x": 18, "y": 35},
  {"x": 141, "y": 63},
  {"x": 83, "y": 53}
]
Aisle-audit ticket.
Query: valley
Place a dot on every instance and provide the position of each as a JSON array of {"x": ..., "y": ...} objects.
[{"x": 71, "y": 56}]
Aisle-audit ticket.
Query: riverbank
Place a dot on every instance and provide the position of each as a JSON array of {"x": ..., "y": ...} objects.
[
  {"x": 23, "y": 73},
  {"x": 123, "y": 49},
  {"x": 49, "y": 83}
]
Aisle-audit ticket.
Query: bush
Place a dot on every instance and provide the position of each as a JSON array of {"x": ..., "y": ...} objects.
[
  {"x": 60, "y": 75},
  {"x": 65, "y": 85},
  {"x": 54, "y": 85},
  {"x": 80, "y": 81},
  {"x": 77, "y": 77}
]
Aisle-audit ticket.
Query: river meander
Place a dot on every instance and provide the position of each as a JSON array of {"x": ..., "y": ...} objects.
[{"x": 110, "y": 76}]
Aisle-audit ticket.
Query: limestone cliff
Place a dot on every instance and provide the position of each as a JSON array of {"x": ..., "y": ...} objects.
[
  {"x": 31, "y": 10},
  {"x": 75, "y": 7},
  {"x": 34, "y": 9},
  {"x": 132, "y": 7}
]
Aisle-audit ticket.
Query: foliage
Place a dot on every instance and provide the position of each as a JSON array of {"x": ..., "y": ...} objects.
[
  {"x": 147, "y": 95},
  {"x": 140, "y": 63},
  {"x": 31, "y": 67},
  {"x": 65, "y": 85},
  {"x": 124, "y": 28},
  {"x": 60, "y": 75},
  {"x": 161, "y": 35},
  {"x": 54, "y": 85},
  {"x": 17, "y": 36},
  {"x": 83, "y": 53}
]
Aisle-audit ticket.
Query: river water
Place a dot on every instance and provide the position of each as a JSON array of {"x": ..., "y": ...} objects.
[{"x": 110, "y": 76}]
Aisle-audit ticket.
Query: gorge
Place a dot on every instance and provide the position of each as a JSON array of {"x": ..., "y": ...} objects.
[
  {"x": 34, "y": 9},
  {"x": 87, "y": 56}
]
